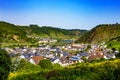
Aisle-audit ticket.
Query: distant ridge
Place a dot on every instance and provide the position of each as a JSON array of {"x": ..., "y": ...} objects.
[{"x": 10, "y": 32}]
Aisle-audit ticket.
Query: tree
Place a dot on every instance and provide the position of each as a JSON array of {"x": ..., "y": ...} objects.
[
  {"x": 113, "y": 49},
  {"x": 5, "y": 63},
  {"x": 45, "y": 64},
  {"x": 22, "y": 63},
  {"x": 18, "y": 64},
  {"x": 118, "y": 54}
]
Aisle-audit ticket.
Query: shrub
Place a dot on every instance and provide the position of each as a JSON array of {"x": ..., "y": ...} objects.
[{"x": 45, "y": 64}]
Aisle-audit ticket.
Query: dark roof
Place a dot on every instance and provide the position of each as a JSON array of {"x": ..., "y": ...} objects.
[
  {"x": 26, "y": 55},
  {"x": 53, "y": 59},
  {"x": 65, "y": 53},
  {"x": 82, "y": 54},
  {"x": 64, "y": 59},
  {"x": 75, "y": 58},
  {"x": 109, "y": 55}
]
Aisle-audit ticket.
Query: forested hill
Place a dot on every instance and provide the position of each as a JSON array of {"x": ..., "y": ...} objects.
[
  {"x": 11, "y": 32},
  {"x": 100, "y": 33}
]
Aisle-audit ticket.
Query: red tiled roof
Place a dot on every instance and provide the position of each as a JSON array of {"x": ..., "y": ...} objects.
[{"x": 37, "y": 59}]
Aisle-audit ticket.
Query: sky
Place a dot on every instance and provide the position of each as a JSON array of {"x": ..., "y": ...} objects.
[{"x": 67, "y": 14}]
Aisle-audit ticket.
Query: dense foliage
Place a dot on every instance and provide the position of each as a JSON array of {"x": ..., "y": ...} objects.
[
  {"x": 5, "y": 63},
  {"x": 45, "y": 64},
  {"x": 105, "y": 70},
  {"x": 114, "y": 43},
  {"x": 101, "y": 33},
  {"x": 108, "y": 70}
]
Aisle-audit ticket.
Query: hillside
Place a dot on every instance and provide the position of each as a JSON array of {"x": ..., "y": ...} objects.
[
  {"x": 10, "y": 32},
  {"x": 78, "y": 32},
  {"x": 16, "y": 33},
  {"x": 101, "y": 33}
]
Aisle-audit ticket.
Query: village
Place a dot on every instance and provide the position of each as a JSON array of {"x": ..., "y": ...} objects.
[{"x": 63, "y": 55}]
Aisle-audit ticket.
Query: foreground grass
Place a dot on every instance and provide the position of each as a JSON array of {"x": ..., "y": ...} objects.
[{"x": 105, "y": 70}]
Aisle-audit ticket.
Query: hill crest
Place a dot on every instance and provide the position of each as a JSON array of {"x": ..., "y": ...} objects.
[{"x": 101, "y": 33}]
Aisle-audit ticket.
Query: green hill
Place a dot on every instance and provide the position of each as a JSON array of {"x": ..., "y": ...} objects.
[
  {"x": 100, "y": 33},
  {"x": 10, "y": 33}
]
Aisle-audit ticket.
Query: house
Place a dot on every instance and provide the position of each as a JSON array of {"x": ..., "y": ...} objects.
[
  {"x": 76, "y": 45},
  {"x": 36, "y": 59},
  {"x": 96, "y": 55},
  {"x": 22, "y": 56},
  {"x": 25, "y": 56},
  {"x": 65, "y": 54},
  {"x": 41, "y": 47},
  {"x": 42, "y": 40},
  {"x": 52, "y": 40},
  {"x": 75, "y": 59},
  {"x": 64, "y": 60},
  {"x": 49, "y": 55},
  {"x": 56, "y": 60},
  {"x": 109, "y": 56},
  {"x": 81, "y": 54}
]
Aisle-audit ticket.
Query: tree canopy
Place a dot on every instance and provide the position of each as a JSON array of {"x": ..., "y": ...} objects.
[
  {"x": 45, "y": 64},
  {"x": 5, "y": 63}
]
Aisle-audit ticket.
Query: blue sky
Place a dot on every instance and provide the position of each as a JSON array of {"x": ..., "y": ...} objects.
[{"x": 68, "y": 14}]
